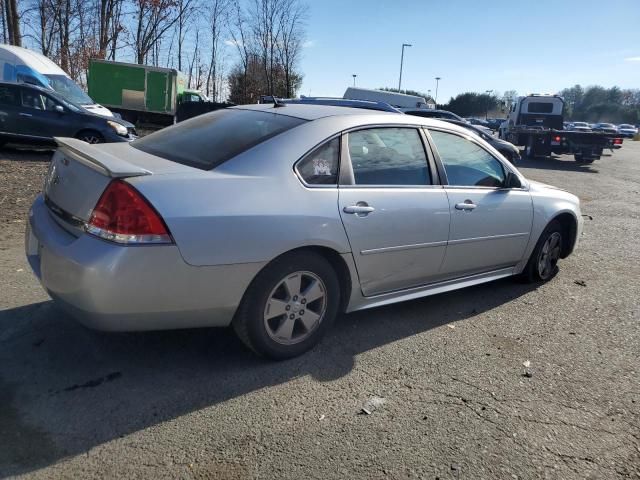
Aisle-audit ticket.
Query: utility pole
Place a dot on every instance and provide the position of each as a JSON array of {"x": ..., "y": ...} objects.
[
  {"x": 437, "y": 82},
  {"x": 401, "y": 62}
]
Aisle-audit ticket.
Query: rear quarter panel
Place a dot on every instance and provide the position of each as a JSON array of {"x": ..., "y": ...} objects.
[{"x": 253, "y": 207}]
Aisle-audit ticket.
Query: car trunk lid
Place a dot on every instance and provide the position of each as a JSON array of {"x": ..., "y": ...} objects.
[{"x": 78, "y": 175}]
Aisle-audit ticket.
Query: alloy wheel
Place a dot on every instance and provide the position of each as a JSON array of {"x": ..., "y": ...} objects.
[
  {"x": 295, "y": 307},
  {"x": 549, "y": 255},
  {"x": 90, "y": 139}
]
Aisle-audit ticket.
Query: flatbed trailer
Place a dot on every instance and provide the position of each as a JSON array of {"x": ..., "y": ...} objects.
[{"x": 586, "y": 147}]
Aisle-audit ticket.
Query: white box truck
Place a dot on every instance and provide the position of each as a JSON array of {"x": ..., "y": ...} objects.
[{"x": 398, "y": 100}]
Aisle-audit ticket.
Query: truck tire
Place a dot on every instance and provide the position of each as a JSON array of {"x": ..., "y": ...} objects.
[{"x": 530, "y": 149}]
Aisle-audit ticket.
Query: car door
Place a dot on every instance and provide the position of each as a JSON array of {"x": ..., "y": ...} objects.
[
  {"x": 490, "y": 223},
  {"x": 39, "y": 116},
  {"x": 9, "y": 109},
  {"x": 395, "y": 215}
]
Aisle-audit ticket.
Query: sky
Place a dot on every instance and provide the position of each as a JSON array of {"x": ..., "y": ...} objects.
[{"x": 531, "y": 46}]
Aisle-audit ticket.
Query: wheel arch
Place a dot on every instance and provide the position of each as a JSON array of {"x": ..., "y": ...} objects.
[
  {"x": 569, "y": 224},
  {"x": 334, "y": 258}
]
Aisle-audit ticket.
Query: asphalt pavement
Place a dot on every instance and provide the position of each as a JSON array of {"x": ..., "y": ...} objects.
[{"x": 502, "y": 380}]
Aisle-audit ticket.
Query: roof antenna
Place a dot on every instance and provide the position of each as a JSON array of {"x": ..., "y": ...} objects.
[{"x": 276, "y": 104}]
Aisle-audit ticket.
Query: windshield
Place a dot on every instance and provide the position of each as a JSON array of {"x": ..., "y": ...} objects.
[
  {"x": 625, "y": 125},
  {"x": 579, "y": 124},
  {"x": 209, "y": 140},
  {"x": 69, "y": 90}
]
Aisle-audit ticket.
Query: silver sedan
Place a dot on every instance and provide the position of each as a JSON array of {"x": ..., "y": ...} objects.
[{"x": 274, "y": 219}]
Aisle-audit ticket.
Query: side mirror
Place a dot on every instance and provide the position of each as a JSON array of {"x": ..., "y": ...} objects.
[
  {"x": 59, "y": 108},
  {"x": 512, "y": 181}
]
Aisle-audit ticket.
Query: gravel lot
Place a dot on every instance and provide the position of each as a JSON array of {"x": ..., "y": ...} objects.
[{"x": 454, "y": 400}]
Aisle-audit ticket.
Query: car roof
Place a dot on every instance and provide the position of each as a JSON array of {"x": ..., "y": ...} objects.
[
  {"x": 310, "y": 111},
  {"x": 24, "y": 84},
  {"x": 356, "y": 116}
]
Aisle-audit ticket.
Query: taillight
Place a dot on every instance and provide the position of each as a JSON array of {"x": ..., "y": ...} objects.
[
  {"x": 617, "y": 141},
  {"x": 123, "y": 215},
  {"x": 557, "y": 139}
]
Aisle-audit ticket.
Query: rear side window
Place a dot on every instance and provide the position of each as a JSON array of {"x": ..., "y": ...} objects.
[
  {"x": 320, "y": 167},
  {"x": 388, "y": 156},
  {"x": 209, "y": 140},
  {"x": 9, "y": 96}
]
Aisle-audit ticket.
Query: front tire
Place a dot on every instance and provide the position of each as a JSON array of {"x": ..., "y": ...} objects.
[
  {"x": 289, "y": 306},
  {"x": 543, "y": 263}
]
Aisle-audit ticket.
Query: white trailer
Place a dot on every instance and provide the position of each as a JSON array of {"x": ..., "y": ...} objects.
[{"x": 399, "y": 100}]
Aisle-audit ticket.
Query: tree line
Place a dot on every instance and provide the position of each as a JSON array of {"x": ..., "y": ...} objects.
[{"x": 232, "y": 50}]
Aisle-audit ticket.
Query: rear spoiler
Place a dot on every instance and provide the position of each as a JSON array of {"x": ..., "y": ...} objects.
[{"x": 98, "y": 159}]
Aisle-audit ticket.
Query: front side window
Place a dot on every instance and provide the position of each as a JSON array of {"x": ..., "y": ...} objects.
[
  {"x": 466, "y": 163},
  {"x": 32, "y": 99},
  {"x": 388, "y": 156},
  {"x": 320, "y": 167}
]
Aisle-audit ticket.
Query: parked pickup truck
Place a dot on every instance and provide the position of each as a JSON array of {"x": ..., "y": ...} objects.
[
  {"x": 536, "y": 122},
  {"x": 140, "y": 93}
]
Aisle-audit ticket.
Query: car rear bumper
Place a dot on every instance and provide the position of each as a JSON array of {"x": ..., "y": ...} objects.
[{"x": 128, "y": 288}]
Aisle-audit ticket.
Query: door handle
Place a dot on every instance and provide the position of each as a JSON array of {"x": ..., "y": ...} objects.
[
  {"x": 466, "y": 205},
  {"x": 25, "y": 114},
  {"x": 361, "y": 209}
]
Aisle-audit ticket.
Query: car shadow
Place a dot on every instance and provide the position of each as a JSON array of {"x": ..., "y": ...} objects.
[
  {"x": 65, "y": 389},
  {"x": 555, "y": 162}
]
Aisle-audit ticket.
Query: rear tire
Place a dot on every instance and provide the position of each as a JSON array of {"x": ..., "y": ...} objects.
[
  {"x": 289, "y": 306},
  {"x": 543, "y": 263},
  {"x": 90, "y": 136}
]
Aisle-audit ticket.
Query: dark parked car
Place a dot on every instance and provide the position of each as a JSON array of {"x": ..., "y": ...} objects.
[
  {"x": 32, "y": 114},
  {"x": 507, "y": 149},
  {"x": 494, "y": 123},
  {"x": 605, "y": 127},
  {"x": 433, "y": 113}
]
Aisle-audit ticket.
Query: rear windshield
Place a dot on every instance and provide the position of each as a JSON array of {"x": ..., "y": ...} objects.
[
  {"x": 209, "y": 140},
  {"x": 540, "y": 107}
]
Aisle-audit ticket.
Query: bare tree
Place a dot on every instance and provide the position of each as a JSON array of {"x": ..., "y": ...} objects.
[
  {"x": 265, "y": 15},
  {"x": 241, "y": 36},
  {"x": 153, "y": 19},
  {"x": 289, "y": 45},
  {"x": 110, "y": 27},
  {"x": 185, "y": 11},
  {"x": 219, "y": 16},
  {"x": 12, "y": 16},
  {"x": 3, "y": 21}
]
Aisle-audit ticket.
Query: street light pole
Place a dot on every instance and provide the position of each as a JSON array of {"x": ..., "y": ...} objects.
[
  {"x": 486, "y": 112},
  {"x": 354, "y": 79},
  {"x": 401, "y": 62},
  {"x": 437, "y": 82}
]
